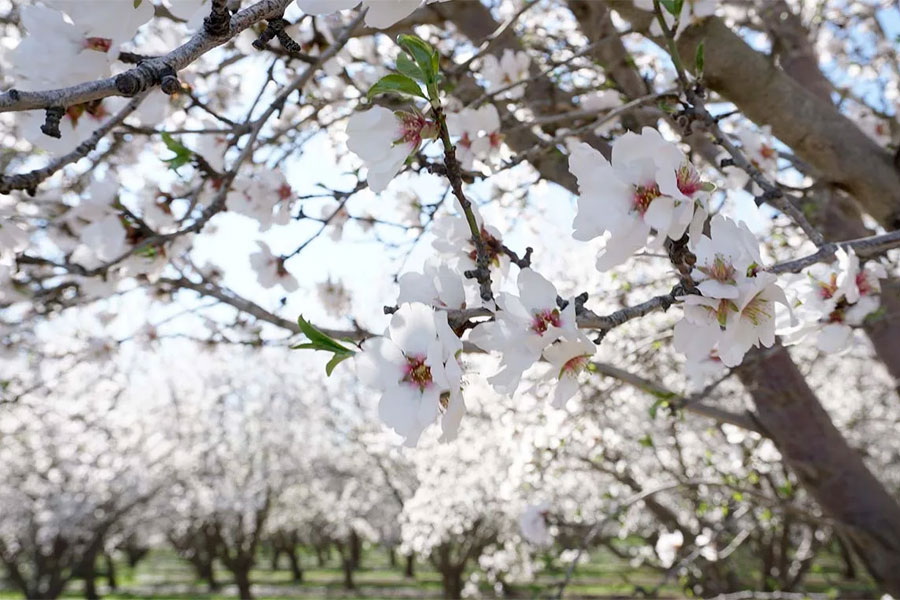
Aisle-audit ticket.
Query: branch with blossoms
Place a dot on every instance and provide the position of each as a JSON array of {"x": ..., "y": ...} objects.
[
  {"x": 695, "y": 110},
  {"x": 154, "y": 241},
  {"x": 150, "y": 72},
  {"x": 649, "y": 195}
]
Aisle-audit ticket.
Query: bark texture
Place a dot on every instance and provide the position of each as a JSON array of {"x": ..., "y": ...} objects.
[{"x": 830, "y": 470}]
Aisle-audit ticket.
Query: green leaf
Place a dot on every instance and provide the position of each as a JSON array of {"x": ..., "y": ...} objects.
[
  {"x": 698, "y": 58},
  {"x": 423, "y": 54},
  {"x": 182, "y": 154},
  {"x": 646, "y": 441},
  {"x": 672, "y": 6},
  {"x": 406, "y": 66},
  {"x": 137, "y": 3},
  {"x": 335, "y": 361},
  {"x": 395, "y": 83},
  {"x": 319, "y": 340}
]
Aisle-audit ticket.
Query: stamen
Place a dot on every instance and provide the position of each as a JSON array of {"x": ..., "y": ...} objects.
[{"x": 417, "y": 372}]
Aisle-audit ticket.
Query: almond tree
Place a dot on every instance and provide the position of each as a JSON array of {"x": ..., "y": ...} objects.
[{"x": 663, "y": 121}]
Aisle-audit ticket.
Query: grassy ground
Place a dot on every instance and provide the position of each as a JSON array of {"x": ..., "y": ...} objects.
[{"x": 162, "y": 575}]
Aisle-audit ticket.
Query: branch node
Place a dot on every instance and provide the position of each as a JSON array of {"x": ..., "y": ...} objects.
[
  {"x": 128, "y": 84},
  {"x": 218, "y": 23},
  {"x": 273, "y": 27},
  {"x": 168, "y": 82},
  {"x": 51, "y": 121}
]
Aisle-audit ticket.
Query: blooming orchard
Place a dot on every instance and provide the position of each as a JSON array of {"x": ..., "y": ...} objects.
[{"x": 527, "y": 239}]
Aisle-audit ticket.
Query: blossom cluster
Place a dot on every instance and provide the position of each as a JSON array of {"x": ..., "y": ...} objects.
[
  {"x": 832, "y": 299},
  {"x": 735, "y": 308},
  {"x": 69, "y": 42},
  {"x": 647, "y": 195}
]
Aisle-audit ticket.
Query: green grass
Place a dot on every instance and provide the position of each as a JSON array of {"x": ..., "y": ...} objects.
[{"x": 161, "y": 574}]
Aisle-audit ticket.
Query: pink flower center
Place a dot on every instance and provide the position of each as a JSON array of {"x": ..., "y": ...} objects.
[
  {"x": 417, "y": 372},
  {"x": 720, "y": 270},
  {"x": 575, "y": 365},
  {"x": 643, "y": 196},
  {"x": 767, "y": 152},
  {"x": 411, "y": 128},
  {"x": 496, "y": 138},
  {"x": 688, "y": 180},
  {"x": 285, "y": 191},
  {"x": 862, "y": 283},
  {"x": 827, "y": 290},
  {"x": 464, "y": 141},
  {"x": 98, "y": 43},
  {"x": 544, "y": 319}
]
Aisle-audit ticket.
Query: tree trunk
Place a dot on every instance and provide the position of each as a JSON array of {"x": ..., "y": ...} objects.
[
  {"x": 451, "y": 582},
  {"x": 321, "y": 556},
  {"x": 831, "y": 471},
  {"x": 848, "y": 569},
  {"x": 206, "y": 572},
  {"x": 90, "y": 583},
  {"x": 347, "y": 566},
  {"x": 242, "y": 580},
  {"x": 111, "y": 572},
  {"x": 355, "y": 550},
  {"x": 276, "y": 553},
  {"x": 392, "y": 556},
  {"x": 296, "y": 569},
  {"x": 135, "y": 553},
  {"x": 410, "y": 570}
]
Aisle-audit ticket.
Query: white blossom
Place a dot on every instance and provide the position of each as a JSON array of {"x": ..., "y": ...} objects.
[
  {"x": 533, "y": 525},
  {"x": 437, "y": 285},
  {"x": 381, "y": 13},
  {"x": 270, "y": 269},
  {"x": 832, "y": 299},
  {"x": 510, "y": 68},
  {"x": 384, "y": 140},
  {"x": 414, "y": 366},
  {"x": 335, "y": 297},
  {"x": 569, "y": 357},
  {"x": 524, "y": 326},
  {"x": 649, "y": 185},
  {"x": 479, "y": 134},
  {"x": 667, "y": 546}
]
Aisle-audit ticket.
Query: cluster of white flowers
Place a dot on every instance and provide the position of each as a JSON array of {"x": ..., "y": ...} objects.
[
  {"x": 70, "y": 42},
  {"x": 478, "y": 135},
  {"x": 646, "y": 194},
  {"x": 528, "y": 326},
  {"x": 735, "y": 309},
  {"x": 266, "y": 197},
  {"x": 833, "y": 299},
  {"x": 692, "y": 12},
  {"x": 649, "y": 185},
  {"x": 501, "y": 73},
  {"x": 381, "y": 13},
  {"x": 415, "y": 367}
]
